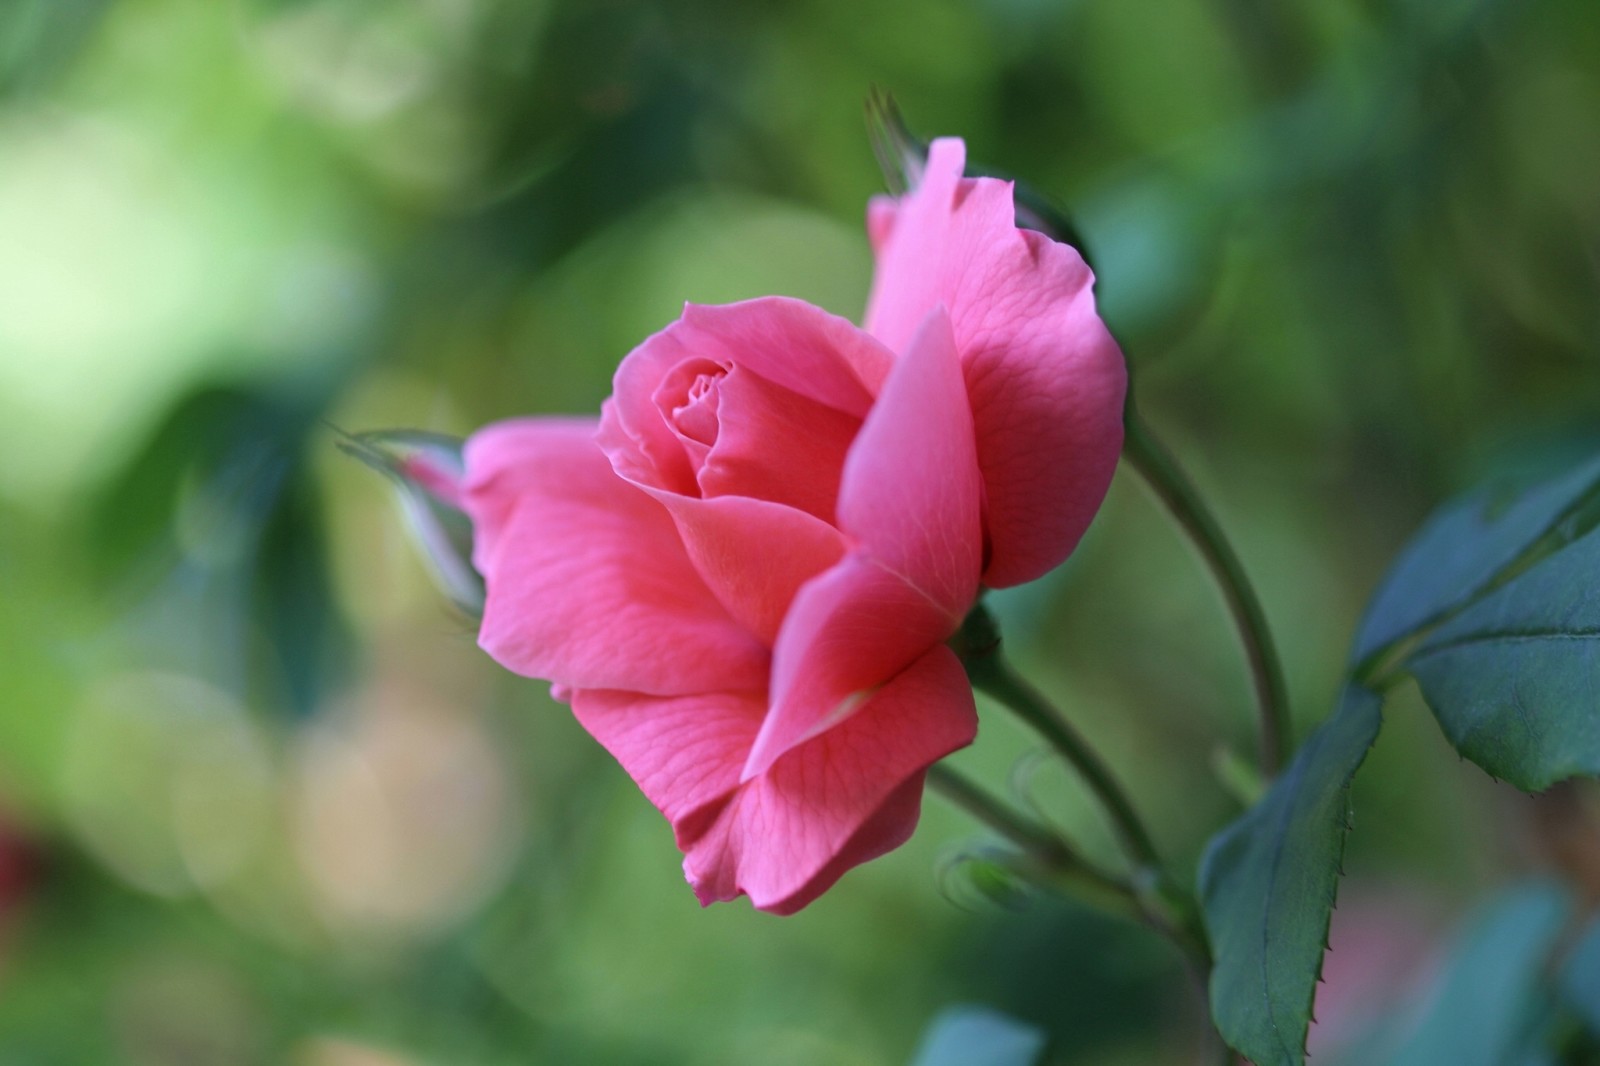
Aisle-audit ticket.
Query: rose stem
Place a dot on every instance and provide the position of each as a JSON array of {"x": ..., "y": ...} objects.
[
  {"x": 993, "y": 676},
  {"x": 1162, "y": 473},
  {"x": 1167, "y": 905}
]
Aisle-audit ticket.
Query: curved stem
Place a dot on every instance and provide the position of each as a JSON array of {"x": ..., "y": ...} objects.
[
  {"x": 1161, "y": 901},
  {"x": 994, "y": 677},
  {"x": 1161, "y": 471}
]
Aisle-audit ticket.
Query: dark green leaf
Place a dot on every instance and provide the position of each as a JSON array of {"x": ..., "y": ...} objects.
[
  {"x": 1493, "y": 610},
  {"x": 978, "y": 1036},
  {"x": 1267, "y": 884},
  {"x": 1514, "y": 680},
  {"x": 1490, "y": 1002},
  {"x": 1463, "y": 552}
]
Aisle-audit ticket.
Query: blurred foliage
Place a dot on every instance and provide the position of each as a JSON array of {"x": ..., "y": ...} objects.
[{"x": 264, "y": 800}]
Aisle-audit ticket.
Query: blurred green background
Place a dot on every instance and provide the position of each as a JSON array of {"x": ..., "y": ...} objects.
[{"x": 261, "y": 798}]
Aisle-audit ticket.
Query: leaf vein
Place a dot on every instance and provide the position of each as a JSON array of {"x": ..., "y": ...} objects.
[{"x": 1509, "y": 637}]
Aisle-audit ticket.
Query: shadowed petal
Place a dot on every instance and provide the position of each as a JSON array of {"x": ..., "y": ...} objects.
[
  {"x": 588, "y": 583},
  {"x": 1044, "y": 376}
]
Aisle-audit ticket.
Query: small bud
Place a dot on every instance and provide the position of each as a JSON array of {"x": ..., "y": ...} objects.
[
  {"x": 428, "y": 468},
  {"x": 978, "y": 874},
  {"x": 902, "y": 155}
]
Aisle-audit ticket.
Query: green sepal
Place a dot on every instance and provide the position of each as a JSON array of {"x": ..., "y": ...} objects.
[{"x": 427, "y": 469}]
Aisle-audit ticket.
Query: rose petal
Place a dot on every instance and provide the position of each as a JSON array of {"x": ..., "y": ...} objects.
[
  {"x": 588, "y": 583},
  {"x": 911, "y": 500},
  {"x": 847, "y": 632},
  {"x": 911, "y": 492},
  {"x": 775, "y": 444},
  {"x": 847, "y": 796},
  {"x": 881, "y": 212},
  {"x": 683, "y": 751},
  {"x": 789, "y": 343},
  {"x": 754, "y": 555},
  {"x": 640, "y": 445},
  {"x": 793, "y": 344},
  {"x": 1045, "y": 378}
]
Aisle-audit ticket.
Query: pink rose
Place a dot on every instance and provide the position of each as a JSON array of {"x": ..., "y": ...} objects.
[{"x": 742, "y": 577}]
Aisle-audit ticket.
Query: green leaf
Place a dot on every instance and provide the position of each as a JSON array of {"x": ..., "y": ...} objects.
[
  {"x": 902, "y": 156},
  {"x": 1492, "y": 609},
  {"x": 1490, "y": 1002},
  {"x": 1267, "y": 885},
  {"x": 1514, "y": 680},
  {"x": 978, "y": 1036},
  {"x": 901, "y": 153},
  {"x": 1465, "y": 550}
]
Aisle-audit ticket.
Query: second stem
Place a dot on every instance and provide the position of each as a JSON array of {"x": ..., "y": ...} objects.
[{"x": 1162, "y": 473}]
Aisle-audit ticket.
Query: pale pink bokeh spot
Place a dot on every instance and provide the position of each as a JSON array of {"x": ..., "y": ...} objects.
[{"x": 1382, "y": 943}]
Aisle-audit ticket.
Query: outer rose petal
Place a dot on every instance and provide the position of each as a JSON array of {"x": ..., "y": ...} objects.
[
  {"x": 910, "y": 498},
  {"x": 588, "y": 583},
  {"x": 1045, "y": 377},
  {"x": 845, "y": 797},
  {"x": 880, "y": 221},
  {"x": 683, "y": 751},
  {"x": 911, "y": 492}
]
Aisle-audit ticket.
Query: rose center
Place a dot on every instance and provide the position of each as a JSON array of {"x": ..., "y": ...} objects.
[
  {"x": 689, "y": 397},
  {"x": 696, "y": 417}
]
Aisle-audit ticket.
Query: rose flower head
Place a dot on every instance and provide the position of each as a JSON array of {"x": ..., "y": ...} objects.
[{"x": 743, "y": 574}]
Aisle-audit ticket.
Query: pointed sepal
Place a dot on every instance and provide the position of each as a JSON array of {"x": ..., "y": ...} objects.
[{"x": 427, "y": 469}]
